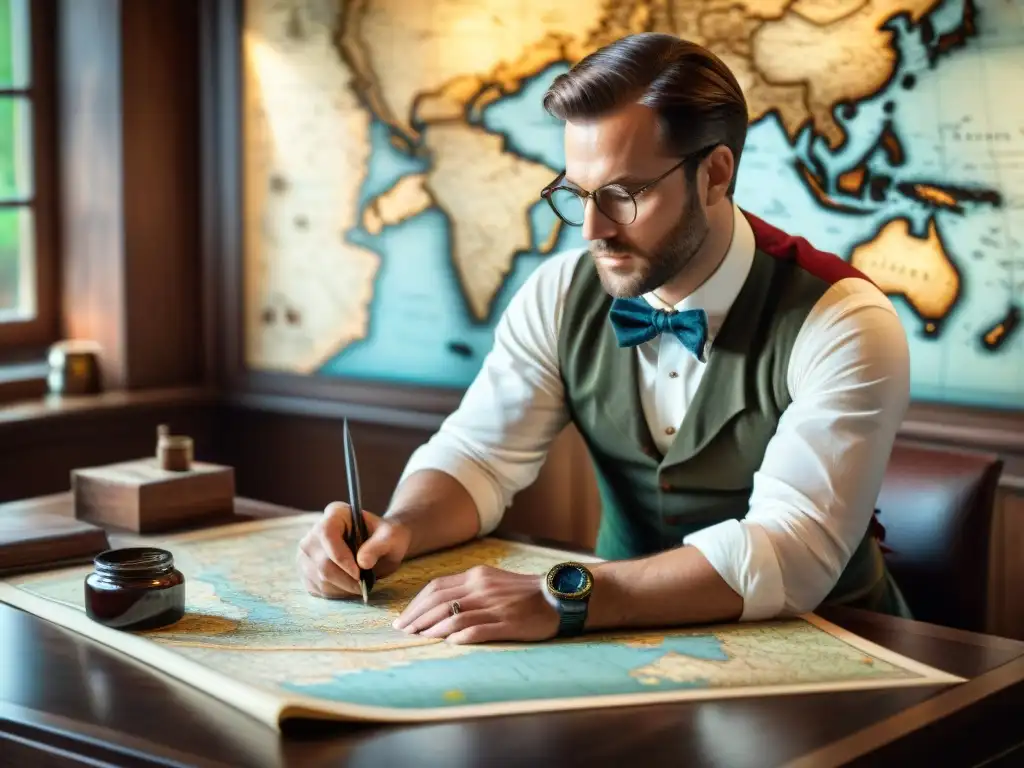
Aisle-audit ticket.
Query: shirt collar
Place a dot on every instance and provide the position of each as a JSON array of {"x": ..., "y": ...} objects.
[{"x": 717, "y": 294}]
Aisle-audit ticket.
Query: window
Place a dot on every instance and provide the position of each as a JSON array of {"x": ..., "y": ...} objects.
[{"x": 28, "y": 315}]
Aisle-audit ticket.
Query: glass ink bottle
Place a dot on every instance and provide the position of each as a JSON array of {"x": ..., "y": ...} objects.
[{"x": 135, "y": 588}]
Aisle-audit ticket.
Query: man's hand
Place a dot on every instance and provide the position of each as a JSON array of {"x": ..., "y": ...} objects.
[
  {"x": 326, "y": 563},
  {"x": 493, "y": 605}
]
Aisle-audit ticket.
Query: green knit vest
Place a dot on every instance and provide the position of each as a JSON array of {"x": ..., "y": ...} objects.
[{"x": 650, "y": 501}]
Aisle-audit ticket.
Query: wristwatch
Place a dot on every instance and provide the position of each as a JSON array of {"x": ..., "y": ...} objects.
[{"x": 567, "y": 588}]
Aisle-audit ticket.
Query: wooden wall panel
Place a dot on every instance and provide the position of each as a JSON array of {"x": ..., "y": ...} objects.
[
  {"x": 160, "y": 106},
  {"x": 129, "y": 147},
  {"x": 298, "y": 460},
  {"x": 37, "y": 454},
  {"x": 559, "y": 504},
  {"x": 1006, "y": 601}
]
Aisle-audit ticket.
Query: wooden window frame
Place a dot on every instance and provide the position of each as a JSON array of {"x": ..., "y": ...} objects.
[{"x": 20, "y": 340}]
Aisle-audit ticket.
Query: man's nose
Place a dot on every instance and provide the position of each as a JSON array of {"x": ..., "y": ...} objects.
[{"x": 597, "y": 226}]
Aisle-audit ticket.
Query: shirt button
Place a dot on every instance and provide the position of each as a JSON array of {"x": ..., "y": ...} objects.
[
  {"x": 670, "y": 430},
  {"x": 673, "y": 375}
]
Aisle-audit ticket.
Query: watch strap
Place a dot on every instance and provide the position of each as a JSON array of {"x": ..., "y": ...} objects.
[{"x": 571, "y": 618}]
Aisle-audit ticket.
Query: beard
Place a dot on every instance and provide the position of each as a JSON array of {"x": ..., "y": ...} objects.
[{"x": 649, "y": 270}]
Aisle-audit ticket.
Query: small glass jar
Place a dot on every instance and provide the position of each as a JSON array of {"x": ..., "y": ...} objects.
[{"x": 135, "y": 588}]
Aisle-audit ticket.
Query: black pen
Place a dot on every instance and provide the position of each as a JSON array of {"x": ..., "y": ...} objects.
[{"x": 357, "y": 530}]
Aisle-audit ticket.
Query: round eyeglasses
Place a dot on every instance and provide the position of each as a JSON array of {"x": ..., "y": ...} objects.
[{"x": 614, "y": 201}]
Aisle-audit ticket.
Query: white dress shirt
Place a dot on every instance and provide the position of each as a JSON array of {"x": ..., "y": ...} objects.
[{"x": 815, "y": 492}]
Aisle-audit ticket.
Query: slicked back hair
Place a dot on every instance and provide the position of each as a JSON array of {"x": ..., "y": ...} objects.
[{"x": 697, "y": 98}]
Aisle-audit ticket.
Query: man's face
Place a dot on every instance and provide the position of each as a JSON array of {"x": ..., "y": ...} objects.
[{"x": 626, "y": 148}]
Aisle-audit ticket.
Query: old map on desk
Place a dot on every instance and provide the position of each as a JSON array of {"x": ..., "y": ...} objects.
[{"x": 255, "y": 639}]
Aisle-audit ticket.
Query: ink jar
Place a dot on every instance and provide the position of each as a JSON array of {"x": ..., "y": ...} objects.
[{"x": 135, "y": 588}]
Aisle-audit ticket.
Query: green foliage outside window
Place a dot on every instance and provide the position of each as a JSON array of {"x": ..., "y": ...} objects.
[{"x": 14, "y": 145}]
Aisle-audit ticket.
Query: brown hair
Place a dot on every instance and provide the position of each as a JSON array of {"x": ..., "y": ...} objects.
[{"x": 698, "y": 101}]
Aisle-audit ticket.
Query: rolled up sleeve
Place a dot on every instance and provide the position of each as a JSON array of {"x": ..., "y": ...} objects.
[{"x": 815, "y": 491}]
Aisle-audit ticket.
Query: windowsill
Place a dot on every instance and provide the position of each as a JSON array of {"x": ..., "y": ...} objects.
[
  {"x": 22, "y": 381},
  {"x": 48, "y": 407}
]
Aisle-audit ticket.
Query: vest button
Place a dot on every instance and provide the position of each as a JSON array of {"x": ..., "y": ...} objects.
[
  {"x": 673, "y": 375},
  {"x": 673, "y": 520},
  {"x": 666, "y": 487}
]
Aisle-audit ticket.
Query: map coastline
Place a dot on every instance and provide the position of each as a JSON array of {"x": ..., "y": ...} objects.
[
  {"x": 1003, "y": 329},
  {"x": 905, "y": 277}
]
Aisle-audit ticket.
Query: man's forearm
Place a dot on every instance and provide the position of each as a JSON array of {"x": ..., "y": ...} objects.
[
  {"x": 437, "y": 510},
  {"x": 672, "y": 588}
]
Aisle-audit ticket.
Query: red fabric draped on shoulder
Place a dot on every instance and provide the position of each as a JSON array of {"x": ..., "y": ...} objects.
[{"x": 781, "y": 245}]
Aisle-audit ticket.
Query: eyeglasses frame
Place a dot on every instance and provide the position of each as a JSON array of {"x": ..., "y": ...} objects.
[{"x": 583, "y": 194}]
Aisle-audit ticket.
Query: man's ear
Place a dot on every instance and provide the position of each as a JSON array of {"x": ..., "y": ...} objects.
[{"x": 720, "y": 167}]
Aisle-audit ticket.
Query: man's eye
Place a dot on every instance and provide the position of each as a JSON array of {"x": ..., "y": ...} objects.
[{"x": 615, "y": 193}]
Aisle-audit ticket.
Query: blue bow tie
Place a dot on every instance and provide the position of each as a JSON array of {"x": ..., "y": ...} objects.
[{"x": 635, "y": 321}]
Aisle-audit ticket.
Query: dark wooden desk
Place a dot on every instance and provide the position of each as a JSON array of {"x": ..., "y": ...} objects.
[{"x": 65, "y": 700}]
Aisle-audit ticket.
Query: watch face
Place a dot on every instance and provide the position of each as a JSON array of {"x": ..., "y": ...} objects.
[{"x": 570, "y": 580}]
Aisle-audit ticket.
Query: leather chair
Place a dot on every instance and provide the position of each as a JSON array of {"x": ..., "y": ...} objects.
[{"x": 936, "y": 506}]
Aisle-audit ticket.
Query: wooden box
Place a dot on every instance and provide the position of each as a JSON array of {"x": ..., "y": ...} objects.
[{"x": 143, "y": 497}]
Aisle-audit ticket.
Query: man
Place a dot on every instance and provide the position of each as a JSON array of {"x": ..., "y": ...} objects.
[{"x": 739, "y": 391}]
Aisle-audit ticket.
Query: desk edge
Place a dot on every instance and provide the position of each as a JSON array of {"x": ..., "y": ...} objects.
[
  {"x": 49, "y": 732},
  {"x": 945, "y": 703}
]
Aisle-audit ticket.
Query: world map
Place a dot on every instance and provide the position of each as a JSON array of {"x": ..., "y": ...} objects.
[
  {"x": 395, "y": 151},
  {"x": 254, "y": 638}
]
